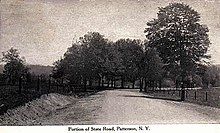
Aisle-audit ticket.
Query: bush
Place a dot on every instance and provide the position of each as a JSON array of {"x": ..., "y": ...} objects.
[
  {"x": 168, "y": 83},
  {"x": 2, "y": 78},
  {"x": 197, "y": 81}
]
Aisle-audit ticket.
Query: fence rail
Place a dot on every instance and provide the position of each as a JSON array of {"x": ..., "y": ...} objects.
[{"x": 210, "y": 97}]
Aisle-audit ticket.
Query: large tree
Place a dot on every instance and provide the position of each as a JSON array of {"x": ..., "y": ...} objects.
[
  {"x": 182, "y": 42},
  {"x": 94, "y": 52},
  {"x": 131, "y": 53},
  {"x": 15, "y": 68},
  {"x": 152, "y": 68},
  {"x": 112, "y": 65},
  {"x": 86, "y": 60}
]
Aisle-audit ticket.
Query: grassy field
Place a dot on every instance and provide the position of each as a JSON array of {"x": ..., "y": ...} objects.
[{"x": 208, "y": 97}]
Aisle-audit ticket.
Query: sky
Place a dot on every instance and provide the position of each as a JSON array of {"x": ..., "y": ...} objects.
[{"x": 42, "y": 30}]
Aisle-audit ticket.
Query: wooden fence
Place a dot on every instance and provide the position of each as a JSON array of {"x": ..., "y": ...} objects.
[{"x": 210, "y": 97}]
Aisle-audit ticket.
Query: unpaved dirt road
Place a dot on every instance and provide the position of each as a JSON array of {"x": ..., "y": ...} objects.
[{"x": 129, "y": 107}]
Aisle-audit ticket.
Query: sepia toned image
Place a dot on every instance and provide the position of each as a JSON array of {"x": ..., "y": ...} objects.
[{"x": 109, "y": 62}]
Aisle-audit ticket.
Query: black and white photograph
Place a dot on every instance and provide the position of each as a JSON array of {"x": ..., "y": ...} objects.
[{"x": 109, "y": 62}]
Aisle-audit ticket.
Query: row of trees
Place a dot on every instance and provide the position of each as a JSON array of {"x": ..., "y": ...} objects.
[
  {"x": 96, "y": 59},
  {"x": 139, "y": 62}
]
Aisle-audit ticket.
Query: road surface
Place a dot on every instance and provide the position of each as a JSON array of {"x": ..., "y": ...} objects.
[{"x": 129, "y": 107}]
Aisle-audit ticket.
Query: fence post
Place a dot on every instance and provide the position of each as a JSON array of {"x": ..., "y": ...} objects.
[
  {"x": 20, "y": 85},
  {"x": 38, "y": 83},
  {"x": 49, "y": 85},
  {"x": 57, "y": 85},
  {"x": 63, "y": 85},
  {"x": 114, "y": 83},
  {"x": 195, "y": 95},
  {"x": 206, "y": 95},
  {"x": 183, "y": 93}
]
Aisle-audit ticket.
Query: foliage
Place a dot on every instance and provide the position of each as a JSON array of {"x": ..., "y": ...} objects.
[
  {"x": 89, "y": 59},
  {"x": 94, "y": 58},
  {"x": 181, "y": 41},
  {"x": 131, "y": 53},
  {"x": 153, "y": 65},
  {"x": 212, "y": 76},
  {"x": 15, "y": 65},
  {"x": 94, "y": 50}
]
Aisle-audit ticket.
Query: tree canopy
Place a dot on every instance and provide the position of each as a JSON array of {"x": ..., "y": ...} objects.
[
  {"x": 182, "y": 42},
  {"x": 93, "y": 58},
  {"x": 15, "y": 65}
]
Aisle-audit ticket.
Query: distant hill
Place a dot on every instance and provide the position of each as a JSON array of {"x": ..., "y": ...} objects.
[
  {"x": 218, "y": 65},
  {"x": 36, "y": 69}
]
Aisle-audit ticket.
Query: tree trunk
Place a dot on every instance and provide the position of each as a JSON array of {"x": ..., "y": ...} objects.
[
  {"x": 102, "y": 81},
  {"x": 108, "y": 83},
  {"x": 99, "y": 81},
  {"x": 141, "y": 85},
  {"x": 177, "y": 83},
  {"x": 154, "y": 85},
  {"x": 133, "y": 84},
  {"x": 146, "y": 84},
  {"x": 84, "y": 84},
  {"x": 90, "y": 82},
  {"x": 183, "y": 94},
  {"x": 112, "y": 83},
  {"x": 122, "y": 82},
  {"x": 182, "y": 90},
  {"x": 160, "y": 84}
]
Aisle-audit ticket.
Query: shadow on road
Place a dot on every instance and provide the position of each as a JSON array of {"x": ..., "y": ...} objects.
[{"x": 161, "y": 98}]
